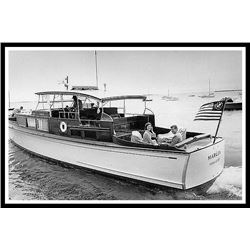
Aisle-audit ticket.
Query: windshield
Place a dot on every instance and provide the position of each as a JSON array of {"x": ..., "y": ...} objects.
[{"x": 127, "y": 106}]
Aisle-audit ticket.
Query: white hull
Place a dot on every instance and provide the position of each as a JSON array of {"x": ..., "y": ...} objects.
[{"x": 173, "y": 169}]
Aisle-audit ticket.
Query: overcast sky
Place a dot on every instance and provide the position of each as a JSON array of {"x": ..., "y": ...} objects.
[{"x": 124, "y": 72}]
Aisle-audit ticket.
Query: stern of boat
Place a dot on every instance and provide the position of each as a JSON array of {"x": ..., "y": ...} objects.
[{"x": 205, "y": 164}]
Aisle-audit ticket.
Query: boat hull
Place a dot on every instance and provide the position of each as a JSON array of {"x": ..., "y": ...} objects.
[{"x": 172, "y": 169}]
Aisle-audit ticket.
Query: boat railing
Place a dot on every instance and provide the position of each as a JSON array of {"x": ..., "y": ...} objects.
[
  {"x": 90, "y": 123},
  {"x": 148, "y": 110},
  {"x": 192, "y": 140},
  {"x": 132, "y": 114},
  {"x": 106, "y": 117}
]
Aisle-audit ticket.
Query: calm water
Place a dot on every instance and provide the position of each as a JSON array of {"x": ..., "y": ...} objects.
[{"x": 33, "y": 178}]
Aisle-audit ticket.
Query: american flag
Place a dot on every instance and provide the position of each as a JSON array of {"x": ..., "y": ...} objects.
[{"x": 210, "y": 111}]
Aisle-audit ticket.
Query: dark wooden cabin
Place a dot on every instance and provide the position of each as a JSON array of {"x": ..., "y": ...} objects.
[{"x": 89, "y": 118}]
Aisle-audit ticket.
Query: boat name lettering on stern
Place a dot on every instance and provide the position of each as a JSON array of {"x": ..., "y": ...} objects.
[
  {"x": 217, "y": 153},
  {"x": 213, "y": 162}
]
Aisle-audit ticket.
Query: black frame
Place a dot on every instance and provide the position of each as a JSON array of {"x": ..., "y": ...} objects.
[{"x": 104, "y": 205}]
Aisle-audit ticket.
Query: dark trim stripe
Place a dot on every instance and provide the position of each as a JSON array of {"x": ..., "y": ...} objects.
[
  {"x": 211, "y": 116},
  {"x": 206, "y": 119}
]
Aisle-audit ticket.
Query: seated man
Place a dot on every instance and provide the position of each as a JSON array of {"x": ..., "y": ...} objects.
[
  {"x": 167, "y": 138},
  {"x": 177, "y": 136}
]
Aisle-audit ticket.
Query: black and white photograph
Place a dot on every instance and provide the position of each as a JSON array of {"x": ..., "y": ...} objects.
[{"x": 124, "y": 125}]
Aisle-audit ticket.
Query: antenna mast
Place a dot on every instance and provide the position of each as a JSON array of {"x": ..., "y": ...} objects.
[
  {"x": 67, "y": 82},
  {"x": 96, "y": 70}
]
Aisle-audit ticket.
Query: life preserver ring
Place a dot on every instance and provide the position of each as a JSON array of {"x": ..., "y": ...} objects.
[{"x": 63, "y": 127}]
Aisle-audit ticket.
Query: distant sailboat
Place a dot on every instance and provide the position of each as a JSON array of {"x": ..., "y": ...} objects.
[
  {"x": 10, "y": 109},
  {"x": 169, "y": 98},
  {"x": 210, "y": 94}
]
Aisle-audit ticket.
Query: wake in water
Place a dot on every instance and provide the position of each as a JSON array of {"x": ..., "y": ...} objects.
[{"x": 230, "y": 182}]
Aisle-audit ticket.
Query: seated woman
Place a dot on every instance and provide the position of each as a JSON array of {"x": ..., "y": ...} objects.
[{"x": 149, "y": 135}]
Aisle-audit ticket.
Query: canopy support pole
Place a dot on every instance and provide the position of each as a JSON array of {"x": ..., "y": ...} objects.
[{"x": 96, "y": 70}]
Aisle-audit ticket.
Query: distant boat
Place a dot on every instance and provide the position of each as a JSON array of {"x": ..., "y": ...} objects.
[
  {"x": 232, "y": 105},
  {"x": 191, "y": 95},
  {"x": 210, "y": 94},
  {"x": 169, "y": 98},
  {"x": 11, "y": 110}
]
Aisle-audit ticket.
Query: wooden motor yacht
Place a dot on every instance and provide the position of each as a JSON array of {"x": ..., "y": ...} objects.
[{"x": 94, "y": 133}]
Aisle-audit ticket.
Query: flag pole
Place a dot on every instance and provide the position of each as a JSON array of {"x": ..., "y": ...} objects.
[{"x": 217, "y": 129}]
